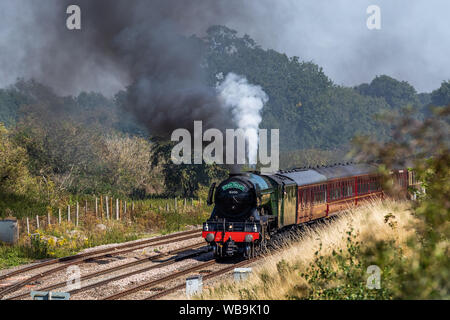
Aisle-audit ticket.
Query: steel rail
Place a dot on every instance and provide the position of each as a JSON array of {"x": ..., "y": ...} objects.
[
  {"x": 161, "y": 280},
  {"x": 183, "y": 272},
  {"x": 129, "y": 274},
  {"x": 206, "y": 277}
]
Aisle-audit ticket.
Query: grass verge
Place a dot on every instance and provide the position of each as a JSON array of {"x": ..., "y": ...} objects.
[{"x": 150, "y": 218}]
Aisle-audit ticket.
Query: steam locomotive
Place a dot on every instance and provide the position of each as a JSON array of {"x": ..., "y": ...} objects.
[{"x": 250, "y": 208}]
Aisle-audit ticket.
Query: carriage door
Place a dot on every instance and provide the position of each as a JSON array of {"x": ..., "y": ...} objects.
[{"x": 289, "y": 204}]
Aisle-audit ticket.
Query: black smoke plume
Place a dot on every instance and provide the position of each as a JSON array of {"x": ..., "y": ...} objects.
[{"x": 142, "y": 43}]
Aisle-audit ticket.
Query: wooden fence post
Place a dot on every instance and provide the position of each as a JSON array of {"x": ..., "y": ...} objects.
[
  {"x": 132, "y": 211},
  {"x": 101, "y": 207},
  {"x": 175, "y": 204},
  {"x": 37, "y": 222},
  {"x": 28, "y": 226},
  {"x": 59, "y": 215},
  {"x": 85, "y": 208},
  {"x": 117, "y": 209},
  {"x": 68, "y": 213},
  {"x": 185, "y": 202},
  {"x": 111, "y": 206},
  {"x": 107, "y": 207},
  {"x": 96, "y": 207},
  {"x": 167, "y": 207},
  {"x": 78, "y": 211},
  {"x": 48, "y": 218}
]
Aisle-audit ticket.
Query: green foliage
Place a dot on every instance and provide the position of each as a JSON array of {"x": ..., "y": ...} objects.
[
  {"x": 13, "y": 165},
  {"x": 10, "y": 101},
  {"x": 441, "y": 96},
  {"x": 78, "y": 145},
  {"x": 310, "y": 111},
  {"x": 20, "y": 191},
  {"x": 184, "y": 179},
  {"x": 342, "y": 275},
  {"x": 425, "y": 147},
  {"x": 39, "y": 249},
  {"x": 398, "y": 94},
  {"x": 11, "y": 256},
  {"x": 418, "y": 270}
]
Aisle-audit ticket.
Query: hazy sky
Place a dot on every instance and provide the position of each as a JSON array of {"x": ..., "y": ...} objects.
[{"x": 413, "y": 43}]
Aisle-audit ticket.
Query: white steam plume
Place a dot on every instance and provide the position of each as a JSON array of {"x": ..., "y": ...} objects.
[{"x": 246, "y": 102}]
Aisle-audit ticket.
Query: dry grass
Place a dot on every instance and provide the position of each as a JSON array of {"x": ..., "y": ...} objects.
[{"x": 387, "y": 220}]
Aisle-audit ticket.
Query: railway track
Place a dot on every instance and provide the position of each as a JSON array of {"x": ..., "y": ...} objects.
[
  {"x": 205, "y": 277},
  {"x": 274, "y": 248},
  {"x": 154, "y": 283},
  {"x": 170, "y": 260},
  {"x": 151, "y": 284},
  {"x": 90, "y": 256}
]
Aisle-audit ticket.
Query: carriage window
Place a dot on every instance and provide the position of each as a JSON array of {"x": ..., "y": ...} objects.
[
  {"x": 333, "y": 192},
  {"x": 336, "y": 191},
  {"x": 305, "y": 195},
  {"x": 301, "y": 198},
  {"x": 374, "y": 184},
  {"x": 319, "y": 193},
  {"x": 348, "y": 188},
  {"x": 363, "y": 185},
  {"x": 412, "y": 178},
  {"x": 308, "y": 197},
  {"x": 400, "y": 177}
]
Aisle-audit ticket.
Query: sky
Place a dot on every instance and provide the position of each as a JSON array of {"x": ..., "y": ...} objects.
[{"x": 413, "y": 43}]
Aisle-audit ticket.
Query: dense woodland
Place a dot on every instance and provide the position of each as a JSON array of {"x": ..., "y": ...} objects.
[{"x": 54, "y": 147}]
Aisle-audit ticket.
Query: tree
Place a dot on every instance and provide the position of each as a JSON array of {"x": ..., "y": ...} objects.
[
  {"x": 10, "y": 102},
  {"x": 398, "y": 94},
  {"x": 183, "y": 179},
  {"x": 441, "y": 96},
  {"x": 20, "y": 192},
  {"x": 14, "y": 174},
  {"x": 129, "y": 164},
  {"x": 310, "y": 111}
]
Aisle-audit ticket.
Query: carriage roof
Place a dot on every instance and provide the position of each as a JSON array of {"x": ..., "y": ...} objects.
[{"x": 303, "y": 177}]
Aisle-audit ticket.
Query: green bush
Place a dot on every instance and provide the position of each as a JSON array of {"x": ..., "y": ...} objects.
[{"x": 343, "y": 274}]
